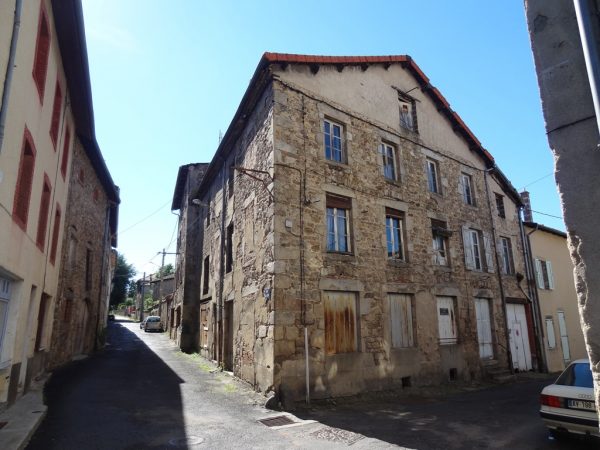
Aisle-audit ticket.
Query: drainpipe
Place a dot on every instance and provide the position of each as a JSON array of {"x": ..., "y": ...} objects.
[
  {"x": 533, "y": 296},
  {"x": 10, "y": 68},
  {"x": 590, "y": 51},
  {"x": 220, "y": 302},
  {"x": 487, "y": 195}
]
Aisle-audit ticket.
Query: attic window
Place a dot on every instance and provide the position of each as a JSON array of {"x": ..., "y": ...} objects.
[{"x": 408, "y": 112}]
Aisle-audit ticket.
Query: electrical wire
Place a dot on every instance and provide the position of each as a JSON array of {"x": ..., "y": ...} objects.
[
  {"x": 549, "y": 215},
  {"x": 145, "y": 218},
  {"x": 539, "y": 179}
]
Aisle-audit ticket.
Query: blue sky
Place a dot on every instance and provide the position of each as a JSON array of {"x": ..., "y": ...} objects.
[{"x": 167, "y": 77}]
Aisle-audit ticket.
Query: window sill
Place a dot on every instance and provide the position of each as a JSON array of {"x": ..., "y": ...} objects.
[
  {"x": 395, "y": 183},
  {"x": 440, "y": 268},
  {"x": 339, "y": 256},
  {"x": 397, "y": 263},
  {"x": 339, "y": 166}
]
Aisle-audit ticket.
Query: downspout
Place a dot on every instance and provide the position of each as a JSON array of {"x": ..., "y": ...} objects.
[
  {"x": 10, "y": 69},
  {"x": 590, "y": 51},
  {"x": 487, "y": 195},
  {"x": 533, "y": 296}
]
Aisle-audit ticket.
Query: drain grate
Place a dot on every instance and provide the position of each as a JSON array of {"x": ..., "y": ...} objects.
[{"x": 277, "y": 421}]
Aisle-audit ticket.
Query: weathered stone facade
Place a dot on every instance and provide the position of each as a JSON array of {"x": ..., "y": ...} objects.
[
  {"x": 87, "y": 265},
  {"x": 182, "y": 318},
  {"x": 267, "y": 289}
]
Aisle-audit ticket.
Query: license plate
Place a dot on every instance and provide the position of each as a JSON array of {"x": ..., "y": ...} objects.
[{"x": 581, "y": 404}]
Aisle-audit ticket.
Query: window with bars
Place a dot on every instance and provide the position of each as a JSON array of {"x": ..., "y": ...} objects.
[
  {"x": 333, "y": 141},
  {"x": 394, "y": 232},
  {"x": 338, "y": 223}
]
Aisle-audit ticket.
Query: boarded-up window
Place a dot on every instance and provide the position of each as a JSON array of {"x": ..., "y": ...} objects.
[
  {"x": 550, "y": 333},
  {"x": 446, "y": 320},
  {"x": 340, "y": 322},
  {"x": 401, "y": 320}
]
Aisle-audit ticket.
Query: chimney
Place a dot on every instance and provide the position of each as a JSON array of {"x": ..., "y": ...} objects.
[{"x": 527, "y": 215}]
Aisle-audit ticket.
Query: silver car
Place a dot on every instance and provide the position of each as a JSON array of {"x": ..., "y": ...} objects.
[
  {"x": 568, "y": 404},
  {"x": 153, "y": 323}
]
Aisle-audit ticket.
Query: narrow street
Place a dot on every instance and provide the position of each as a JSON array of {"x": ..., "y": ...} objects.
[{"x": 141, "y": 392}]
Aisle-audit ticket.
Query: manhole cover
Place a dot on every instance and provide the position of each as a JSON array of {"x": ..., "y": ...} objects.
[
  {"x": 337, "y": 435},
  {"x": 186, "y": 441},
  {"x": 277, "y": 421}
]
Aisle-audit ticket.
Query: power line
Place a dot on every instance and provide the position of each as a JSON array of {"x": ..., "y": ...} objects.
[
  {"x": 549, "y": 215},
  {"x": 539, "y": 179},
  {"x": 145, "y": 218}
]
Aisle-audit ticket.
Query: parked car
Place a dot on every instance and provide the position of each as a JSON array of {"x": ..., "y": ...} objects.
[
  {"x": 153, "y": 323},
  {"x": 143, "y": 323},
  {"x": 568, "y": 404}
]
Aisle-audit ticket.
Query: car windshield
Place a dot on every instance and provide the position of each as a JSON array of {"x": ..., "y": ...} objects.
[
  {"x": 153, "y": 319},
  {"x": 578, "y": 374}
]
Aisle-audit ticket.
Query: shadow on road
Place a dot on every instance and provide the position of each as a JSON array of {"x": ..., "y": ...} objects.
[
  {"x": 124, "y": 397},
  {"x": 497, "y": 417}
]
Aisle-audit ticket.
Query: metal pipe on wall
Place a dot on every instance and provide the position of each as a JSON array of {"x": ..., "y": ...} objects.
[{"x": 590, "y": 51}]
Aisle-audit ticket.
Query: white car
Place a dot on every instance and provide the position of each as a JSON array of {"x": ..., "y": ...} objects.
[
  {"x": 153, "y": 323},
  {"x": 568, "y": 404}
]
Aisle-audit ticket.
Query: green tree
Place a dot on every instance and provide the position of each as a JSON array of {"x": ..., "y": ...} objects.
[
  {"x": 122, "y": 279},
  {"x": 166, "y": 270}
]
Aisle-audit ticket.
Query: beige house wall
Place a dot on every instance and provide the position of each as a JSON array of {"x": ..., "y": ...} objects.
[
  {"x": 551, "y": 247},
  {"x": 20, "y": 258}
]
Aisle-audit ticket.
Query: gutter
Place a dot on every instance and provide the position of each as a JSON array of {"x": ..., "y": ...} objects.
[{"x": 10, "y": 66}]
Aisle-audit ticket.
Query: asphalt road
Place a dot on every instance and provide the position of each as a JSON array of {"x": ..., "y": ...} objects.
[{"x": 142, "y": 393}]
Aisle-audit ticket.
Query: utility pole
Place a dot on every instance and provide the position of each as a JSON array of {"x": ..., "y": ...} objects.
[{"x": 142, "y": 299}]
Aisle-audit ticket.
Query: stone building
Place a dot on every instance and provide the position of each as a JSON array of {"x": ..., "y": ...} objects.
[
  {"x": 183, "y": 317},
  {"x": 86, "y": 263},
  {"x": 45, "y": 110},
  {"x": 356, "y": 235}
]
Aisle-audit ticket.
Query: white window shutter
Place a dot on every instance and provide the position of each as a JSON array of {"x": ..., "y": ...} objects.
[
  {"x": 539, "y": 276},
  {"x": 469, "y": 263},
  {"x": 487, "y": 245},
  {"x": 550, "y": 333},
  {"x": 461, "y": 189},
  {"x": 380, "y": 159},
  {"x": 550, "y": 275}
]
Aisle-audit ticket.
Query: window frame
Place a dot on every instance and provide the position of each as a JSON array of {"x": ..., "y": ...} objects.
[
  {"x": 433, "y": 176},
  {"x": 544, "y": 274},
  {"x": 328, "y": 142},
  {"x": 388, "y": 161},
  {"x": 508, "y": 264},
  {"x": 500, "y": 207},
  {"x": 466, "y": 189},
  {"x": 335, "y": 204},
  {"x": 437, "y": 235},
  {"x": 39, "y": 70},
  {"x": 24, "y": 186},
  {"x": 394, "y": 234}
]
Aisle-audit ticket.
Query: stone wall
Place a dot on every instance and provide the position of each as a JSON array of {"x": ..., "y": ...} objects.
[
  {"x": 76, "y": 316},
  {"x": 366, "y": 271},
  {"x": 238, "y": 302}
]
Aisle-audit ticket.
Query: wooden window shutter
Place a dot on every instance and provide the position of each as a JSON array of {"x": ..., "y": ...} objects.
[
  {"x": 550, "y": 275},
  {"x": 487, "y": 245}
]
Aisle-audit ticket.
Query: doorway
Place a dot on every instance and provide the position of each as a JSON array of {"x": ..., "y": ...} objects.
[
  {"x": 484, "y": 328},
  {"x": 518, "y": 336}
]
